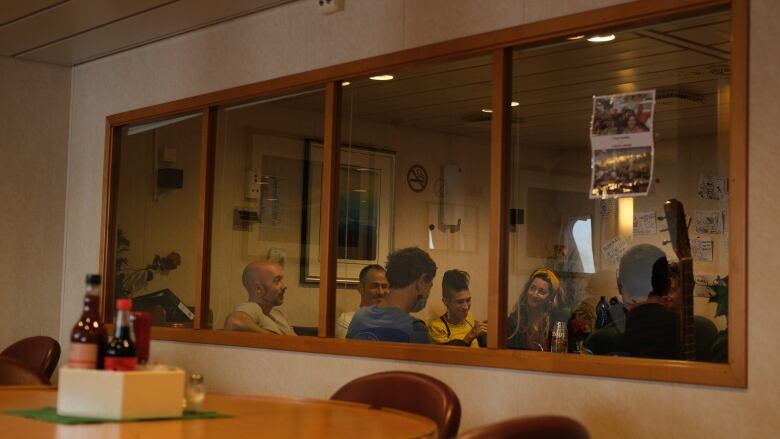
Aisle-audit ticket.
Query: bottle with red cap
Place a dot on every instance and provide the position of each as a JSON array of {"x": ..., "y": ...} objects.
[
  {"x": 88, "y": 337},
  {"x": 120, "y": 351}
]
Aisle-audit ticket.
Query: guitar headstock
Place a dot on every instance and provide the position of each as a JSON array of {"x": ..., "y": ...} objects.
[{"x": 678, "y": 228}]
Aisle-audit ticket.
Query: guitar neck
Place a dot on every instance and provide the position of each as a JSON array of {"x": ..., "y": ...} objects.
[{"x": 687, "y": 331}]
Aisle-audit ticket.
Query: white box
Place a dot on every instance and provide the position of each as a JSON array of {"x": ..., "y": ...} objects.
[{"x": 120, "y": 395}]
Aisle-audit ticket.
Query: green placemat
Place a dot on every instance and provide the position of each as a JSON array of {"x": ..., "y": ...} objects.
[{"x": 49, "y": 414}]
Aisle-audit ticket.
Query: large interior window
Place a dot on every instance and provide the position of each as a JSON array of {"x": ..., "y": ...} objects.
[{"x": 270, "y": 201}]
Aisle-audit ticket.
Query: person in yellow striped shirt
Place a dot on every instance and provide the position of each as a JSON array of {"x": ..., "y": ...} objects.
[{"x": 456, "y": 326}]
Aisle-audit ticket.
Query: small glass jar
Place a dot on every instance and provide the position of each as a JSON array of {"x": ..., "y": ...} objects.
[{"x": 196, "y": 393}]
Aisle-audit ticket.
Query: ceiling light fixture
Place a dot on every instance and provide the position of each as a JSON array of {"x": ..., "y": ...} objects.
[
  {"x": 576, "y": 37},
  {"x": 382, "y": 77},
  {"x": 601, "y": 38},
  {"x": 487, "y": 110},
  {"x": 345, "y": 83},
  {"x": 515, "y": 104}
]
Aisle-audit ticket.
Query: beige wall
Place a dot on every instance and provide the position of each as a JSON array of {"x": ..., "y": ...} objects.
[
  {"x": 34, "y": 105},
  {"x": 296, "y": 38}
]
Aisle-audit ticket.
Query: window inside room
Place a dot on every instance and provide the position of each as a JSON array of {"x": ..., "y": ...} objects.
[{"x": 605, "y": 132}]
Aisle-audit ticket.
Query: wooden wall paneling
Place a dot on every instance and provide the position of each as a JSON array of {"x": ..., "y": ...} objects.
[
  {"x": 738, "y": 192},
  {"x": 208, "y": 143},
  {"x": 329, "y": 210},
  {"x": 108, "y": 232},
  {"x": 500, "y": 160}
]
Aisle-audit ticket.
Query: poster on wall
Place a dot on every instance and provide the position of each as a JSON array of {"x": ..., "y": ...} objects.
[{"x": 622, "y": 147}]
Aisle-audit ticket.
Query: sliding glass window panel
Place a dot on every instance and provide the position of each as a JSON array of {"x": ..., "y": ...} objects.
[
  {"x": 263, "y": 208},
  {"x": 415, "y": 154},
  {"x": 157, "y": 218},
  {"x": 606, "y": 130}
]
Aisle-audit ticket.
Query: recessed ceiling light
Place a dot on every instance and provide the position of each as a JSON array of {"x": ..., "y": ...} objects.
[
  {"x": 345, "y": 83},
  {"x": 576, "y": 37},
  {"x": 382, "y": 77},
  {"x": 361, "y": 191},
  {"x": 515, "y": 104},
  {"x": 601, "y": 38},
  {"x": 487, "y": 110}
]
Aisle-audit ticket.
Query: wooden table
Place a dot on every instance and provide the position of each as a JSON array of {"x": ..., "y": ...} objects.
[{"x": 253, "y": 416}]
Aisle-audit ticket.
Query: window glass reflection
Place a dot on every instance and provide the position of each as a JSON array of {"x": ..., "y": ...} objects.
[
  {"x": 414, "y": 191},
  {"x": 156, "y": 217},
  {"x": 261, "y": 206},
  {"x": 604, "y": 134}
]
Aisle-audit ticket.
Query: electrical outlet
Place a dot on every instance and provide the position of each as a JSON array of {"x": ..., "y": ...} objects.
[
  {"x": 330, "y": 6},
  {"x": 253, "y": 184}
]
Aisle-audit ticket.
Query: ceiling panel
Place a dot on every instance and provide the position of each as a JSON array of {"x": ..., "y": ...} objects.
[
  {"x": 76, "y": 31},
  {"x": 66, "y": 20},
  {"x": 15, "y": 10}
]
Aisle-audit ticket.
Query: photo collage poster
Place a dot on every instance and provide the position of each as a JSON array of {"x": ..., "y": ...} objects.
[{"x": 622, "y": 146}]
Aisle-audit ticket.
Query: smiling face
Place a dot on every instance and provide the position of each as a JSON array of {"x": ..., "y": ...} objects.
[
  {"x": 374, "y": 290},
  {"x": 538, "y": 293},
  {"x": 458, "y": 305}
]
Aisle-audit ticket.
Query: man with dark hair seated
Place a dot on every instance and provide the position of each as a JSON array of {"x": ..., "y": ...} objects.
[
  {"x": 651, "y": 330},
  {"x": 410, "y": 273},
  {"x": 456, "y": 326},
  {"x": 372, "y": 287}
]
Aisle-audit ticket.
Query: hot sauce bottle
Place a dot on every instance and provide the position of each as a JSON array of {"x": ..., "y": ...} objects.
[{"x": 120, "y": 351}]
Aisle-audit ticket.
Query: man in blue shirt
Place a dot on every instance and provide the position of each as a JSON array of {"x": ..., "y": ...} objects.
[{"x": 410, "y": 273}]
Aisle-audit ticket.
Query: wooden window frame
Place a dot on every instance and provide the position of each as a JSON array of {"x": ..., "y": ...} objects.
[{"x": 500, "y": 43}]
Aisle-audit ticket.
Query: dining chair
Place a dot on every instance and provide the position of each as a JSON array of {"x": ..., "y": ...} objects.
[
  {"x": 16, "y": 373},
  {"x": 528, "y": 427},
  {"x": 40, "y": 353},
  {"x": 410, "y": 392}
]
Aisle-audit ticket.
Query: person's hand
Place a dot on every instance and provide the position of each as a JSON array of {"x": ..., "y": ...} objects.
[{"x": 480, "y": 328}]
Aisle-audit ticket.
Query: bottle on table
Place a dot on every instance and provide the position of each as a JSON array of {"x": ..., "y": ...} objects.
[
  {"x": 88, "y": 336},
  {"x": 196, "y": 393},
  {"x": 603, "y": 318},
  {"x": 120, "y": 351},
  {"x": 560, "y": 339}
]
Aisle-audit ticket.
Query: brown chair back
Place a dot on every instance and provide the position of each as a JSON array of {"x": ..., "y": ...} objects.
[
  {"x": 40, "y": 353},
  {"x": 536, "y": 427},
  {"x": 408, "y": 391},
  {"x": 15, "y": 373}
]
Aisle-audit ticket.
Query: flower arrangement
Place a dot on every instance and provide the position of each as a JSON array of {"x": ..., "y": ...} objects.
[{"x": 130, "y": 280}]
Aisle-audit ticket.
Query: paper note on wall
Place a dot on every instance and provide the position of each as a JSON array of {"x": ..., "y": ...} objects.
[
  {"x": 701, "y": 249},
  {"x": 645, "y": 223},
  {"x": 613, "y": 250},
  {"x": 708, "y": 221}
]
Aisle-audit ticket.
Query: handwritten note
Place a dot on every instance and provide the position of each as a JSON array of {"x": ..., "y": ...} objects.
[
  {"x": 712, "y": 187},
  {"x": 708, "y": 221},
  {"x": 613, "y": 250},
  {"x": 701, "y": 249},
  {"x": 645, "y": 223},
  {"x": 608, "y": 207}
]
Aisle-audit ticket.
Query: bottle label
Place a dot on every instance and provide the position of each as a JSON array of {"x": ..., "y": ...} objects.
[
  {"x": 120, "y": 363},
  {"x": 83, "y": 356}
]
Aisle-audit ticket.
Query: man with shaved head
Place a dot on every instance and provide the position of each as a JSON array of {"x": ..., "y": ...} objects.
[{"x": 265, "y": 286}]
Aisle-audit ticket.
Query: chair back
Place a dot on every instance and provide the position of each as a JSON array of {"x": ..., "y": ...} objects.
[
  {"x": 410, "y": 392},
  {"x": 40, "y": 353},
  {"x": 15, "y": 373},
  {"x": 528, "y": 427}
]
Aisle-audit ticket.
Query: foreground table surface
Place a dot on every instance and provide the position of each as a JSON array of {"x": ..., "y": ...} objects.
[{"x": 253, "y": 416}]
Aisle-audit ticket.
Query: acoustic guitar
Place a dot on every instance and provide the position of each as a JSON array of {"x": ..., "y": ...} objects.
[{"x": 678, "y": 234}]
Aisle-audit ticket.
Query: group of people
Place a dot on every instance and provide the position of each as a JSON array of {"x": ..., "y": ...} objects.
[{"x": 647, "y": 326}]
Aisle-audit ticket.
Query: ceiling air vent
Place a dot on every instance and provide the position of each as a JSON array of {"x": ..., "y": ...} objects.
[{"x": 678, "y": 95}]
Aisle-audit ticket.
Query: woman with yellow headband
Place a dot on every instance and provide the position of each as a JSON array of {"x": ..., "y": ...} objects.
[{"x": 530, "y": 321}]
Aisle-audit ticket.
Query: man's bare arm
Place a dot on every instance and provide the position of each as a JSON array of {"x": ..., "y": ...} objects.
[{"x": 241, "y": 321}]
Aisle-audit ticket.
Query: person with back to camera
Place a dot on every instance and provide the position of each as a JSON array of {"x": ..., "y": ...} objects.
[
  {"x": 456, "y": 326},
  {"x": 533, "y": 315},
  {"x": 410, "y": 273},
  {"x": 372, "y": 287},
  {"x": 651, "y": 330}
]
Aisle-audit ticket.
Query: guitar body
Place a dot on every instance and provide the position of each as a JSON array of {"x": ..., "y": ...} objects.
[{"x": 678, "y": 232}]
